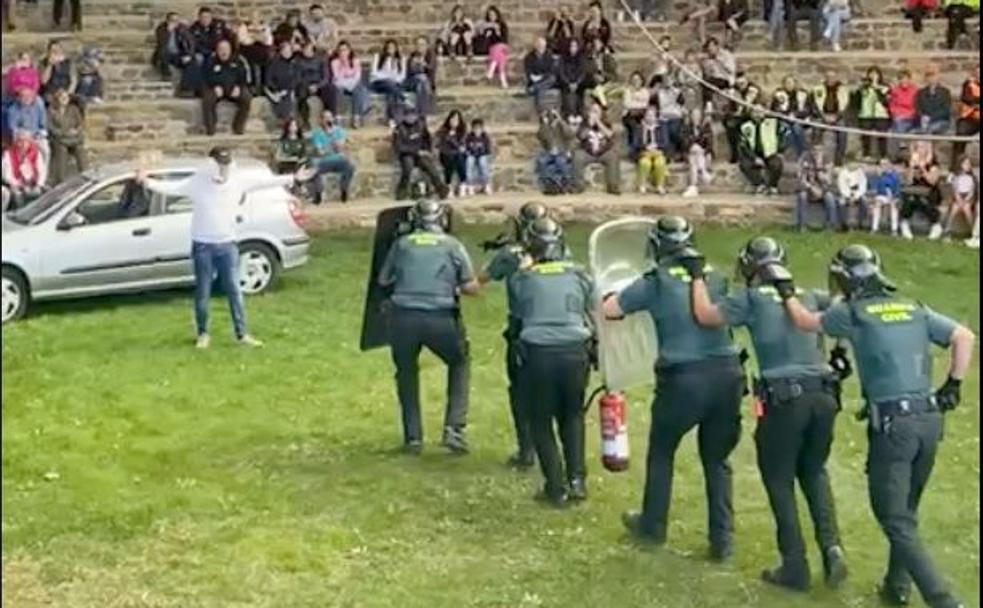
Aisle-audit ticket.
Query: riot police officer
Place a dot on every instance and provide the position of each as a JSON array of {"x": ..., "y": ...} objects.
[
  {"x": 553, "y": 299},
  {"x": 505, "y": 263},
  {"x": 797, "y": 399},
  {"x": 699, "y": 382},
  {"x": 891, "y": 339},
  {"x": 426, "y": 270}
]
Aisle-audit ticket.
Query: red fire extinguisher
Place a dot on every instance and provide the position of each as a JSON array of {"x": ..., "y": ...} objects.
[{"x": 614, "y": 431}]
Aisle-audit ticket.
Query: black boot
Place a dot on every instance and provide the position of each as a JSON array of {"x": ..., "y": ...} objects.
[
  {"x": 791, "y": 577},
  {"x": 632, "y": 521},
  {"x": 522, "y": 460},
  {"x": 834, "y": 567},
  {"x": 892, "y": 595},
  {"x": 578, "y": 489},
  {"x": 555, "y": 499}
]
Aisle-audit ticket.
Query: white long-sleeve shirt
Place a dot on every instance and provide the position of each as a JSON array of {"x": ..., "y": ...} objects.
[
  {"x": 852, "y": 184},
  {"x": 214, "y": 204}
]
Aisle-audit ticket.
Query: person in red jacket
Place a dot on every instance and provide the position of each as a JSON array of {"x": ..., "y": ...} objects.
[
  {"x": 901, "y": 107},
  {"x": 968, "y": 122},
  {"x": 918, "y": 10}
]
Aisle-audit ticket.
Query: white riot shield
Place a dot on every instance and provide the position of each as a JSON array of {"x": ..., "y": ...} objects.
[{"x": 626, "y": 348}]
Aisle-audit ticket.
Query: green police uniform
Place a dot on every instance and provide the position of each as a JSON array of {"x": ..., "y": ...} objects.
[
  {"x": 794, "y": 435},
  {"x": 699, "y": 382},
  {"x": 891, "y": 340},
  {"x": 424, "y": 270},
  {"x": 553, "y": 300}
]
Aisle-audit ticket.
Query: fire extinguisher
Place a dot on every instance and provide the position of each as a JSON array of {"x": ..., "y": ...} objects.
[{"x": 613, "y": 410}]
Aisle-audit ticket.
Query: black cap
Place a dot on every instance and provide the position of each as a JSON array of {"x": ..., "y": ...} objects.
[{"x": 221, "y": 155}]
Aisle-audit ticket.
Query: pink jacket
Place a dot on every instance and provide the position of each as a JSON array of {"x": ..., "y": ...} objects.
[
  {"x": 20, "y": 78},
  {"x": 346, "y": 77},
  {"x": 901, "y": 101}
]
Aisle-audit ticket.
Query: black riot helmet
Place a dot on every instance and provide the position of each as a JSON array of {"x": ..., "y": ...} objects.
[
  {"x": 757, "y": 253},
  {"x": 545, "y": 240},
  {"x": 856, "y": 270},
  {"x": 430, "y": 215},
  {"x": 670, "y": 235},
  {"x": 528, "y": 214}
]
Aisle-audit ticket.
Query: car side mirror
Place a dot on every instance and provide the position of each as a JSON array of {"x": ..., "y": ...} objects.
[{"x": 72, "y": 220}]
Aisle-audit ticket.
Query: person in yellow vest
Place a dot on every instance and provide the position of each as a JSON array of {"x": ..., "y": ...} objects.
[
  {"x": 957, "y": 12},
  {"x": 872, "y": 114},
  {"x": 759, "y": 152},
  {"x": 968, "y": 122},
  {"x": 830, "y": 102}
]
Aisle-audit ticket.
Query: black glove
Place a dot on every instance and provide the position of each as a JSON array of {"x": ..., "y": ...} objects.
[
  {"x": 693, "y": 261},
  {"x": 780, "y": 278},
  {"x": 948, "y": 396},
  {"x": 840, "y": 362}
]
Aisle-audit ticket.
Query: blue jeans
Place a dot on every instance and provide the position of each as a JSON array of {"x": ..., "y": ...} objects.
[
  {"x": 209, "y": 260},
  {"x": 934, "y": 127},
  {"x": 776, "y": 23},
  {"x": 479, "y": 170},
  {"x": 795, "y": 136},
  {"x": 393, "y": 93},
  {"x": 538, "y": 92},
  {"x": 360, "y": 100},
  {"x": 670, "y": 135},
  {"x": 340, "y": 165},
  {"x": 899, "y": 125},
  {"x": 419, "y": 84},
  {"x": 835, "y": 17},
  {"x": 831, "y": 209}
]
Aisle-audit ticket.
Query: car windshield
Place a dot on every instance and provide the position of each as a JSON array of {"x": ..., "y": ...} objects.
[{"x": 42, "y": 206}]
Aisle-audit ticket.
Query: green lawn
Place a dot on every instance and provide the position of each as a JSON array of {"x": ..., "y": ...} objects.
[{"x": 139, "y": 472}]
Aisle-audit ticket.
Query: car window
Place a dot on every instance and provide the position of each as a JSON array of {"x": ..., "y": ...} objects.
[
  {"x": 121, "y": 200},
  {"x": 169, "y": 204},
  {"x": 49, "y": 202}
]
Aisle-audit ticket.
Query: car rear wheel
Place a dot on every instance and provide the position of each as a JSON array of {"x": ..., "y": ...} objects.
[
  {"x": 259, "y": 268},
  {"x": 15, "y": 295}
]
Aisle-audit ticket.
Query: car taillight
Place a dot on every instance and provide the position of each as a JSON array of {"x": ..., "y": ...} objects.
[{"x": 297, "y": 212}]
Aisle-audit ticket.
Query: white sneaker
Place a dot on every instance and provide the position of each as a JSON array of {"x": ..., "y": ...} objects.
[
  {"x": 691, "y": 192},
  {"x": 642, "y": 189},
  {"x": 707, "y": 177},
  {"x": 837, "y": 48},
  {"x": 202, "y": 341},
  {"x": 906, "y": 231},
  {"x": 935, "y": 232},
  {"x": 973, "y": 243},
  {"x": 661, "y": 190},
  {"x": 248, "y": 340},
  {"x": 488, "y": 188}
]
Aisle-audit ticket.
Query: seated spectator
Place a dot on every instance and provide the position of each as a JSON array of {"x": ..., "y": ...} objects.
[
  {"x": 719, "y": 69},
  {"x": 596, "y": 26},
  {"x": 291, "y": 31},
  {"x": 872, "y": 112},
  {"x": 688, "y": 78},
  {"x": 797, "y": 10},
  {"x": 328, "y": 156},
  {"x": 733, "y": 14},
  {"x": 793, "y": 101},
  {"x": 321, "y": 30},
  {"x": 901, "y": 107},
  {"x": 25, "y": 171},
  {"x": 918, "y": 10},
  {"x": 255, "y": 44},
  {"x": 698, "y": 141},
  {"x": 281, "y": 83},
  {"x": 540, "y": 68},
  {"x": 851, "y": 186},
  {"x": 290, "y": 153},
  {"x": 66, "y": 136},
  {"x": 90, "y": 84},
  {"x": 669, "y": 101},
  {"x": 922, "y": 191},
  {"x": 734, "y": 114},
  {"x": 634, "y": 101},
  {"x": 479, "y": 149},
  {"x": 571, "y": 74},
  {"x": 758, "y": 153},
  {"x": 885, "y": 190},
  {"x": 493, "y": 38},
  {"x": 650, "y": 157},
  {"x": 457, "y": 37},
  {"x": 831, "y": 103},
  {"x": 602, "y": 73},
  {"x": 837, "y": 14},
  {"x": 597, "y": 146},
  {"x": 421, "y": 75},
  {"x": 412, "y": 145},
  {"x": 313, "y": 75},
  {"x": 75, "y": 6},
  {"x": 973, "y": 242},
  {"x": 968, "y": 122},
  {"x": 965, "y": 194},
  {"x": 179, "y": 53},
  {"x": 661, "y": 65},
  {"x": 554, "y": 171},
  {"x": 957, "y": 12},
  {"x": 21, "y": 75},
  {"x": 452, "y": 153},
  {"x": 206, "y": 31},
  {"x": 227, "y": 78},
  {"x": 347, "y": 71},
  {"x": 560, "y": 31},
  {"x": 815, "y": 186},
  {"x": 27, "y": 113},
  {"x": 933, "y": 103},
  {"x": 165, "y": 44},
  {"x": 57, "y": 71},
  {"x": 387, "y": 77}
]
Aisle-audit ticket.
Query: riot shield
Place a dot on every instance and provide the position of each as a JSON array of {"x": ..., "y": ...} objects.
[
  {"x": 626, "y": 348},
  {"x": 375, "y": 319}
]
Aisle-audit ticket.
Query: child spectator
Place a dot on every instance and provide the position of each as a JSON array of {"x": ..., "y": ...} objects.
[
  {"x": 24, "y": 169},
  {"x": 21, "y": 75},
  {"x": 290, "y": 152},
  {"x": 933, "y": 103},
  {"x": 837, "y": 14},
  {"x": 27, "y": 113},
  {"x": 733, "y": 14},
  {"x": 452, "y": 153},
  {"x": 597, "y": 147},
  {"x": 227, "y": 78},
  {"x": 328, "y": 143},
  {"x": 387, "y": 76},
  {"x": 421, "y": 75},
  {"x": 457, "y": 37},
  {"x": 313, "y": 76},
  {"x": 560, "y": 31},
  {"x": 540, "y": 69},
  {"x": 553, "y": 168},
  {"x": 922, "y": 191},
  {"x": 596, "y": 26},
  {"x": 669, "y": 100},
  {"x": 918, "y": 10},
  {"x": 886, "y": 190},
  {"x": 651, "y": 159},
  {"x": 411, "y": 142},
  {"x": 759, "y": 150},
  {"x": 957, "y": 12},
  {"x": 571, "y": 74},
  {"x": 901, "y": 107},
  {"x": 66, "y": 131},
  {"x": 634, "y": 101},
  {"x": 281, "y": 83},
  {"x": 347, "y": 73},
  {"x": 851, "y": 184},
  {"x": 815, "y": 186},
  {"x": 968, "y": 122},
  {"x": 698, "y": 141},
  {"x": 602, "y": 70},
  {"x": 479, "y": 149},
  {"x": 494, "y": 36},
  {"x": 965, "y": 194},
  {"x": 291, "y": 31},
  {"x": 321, "y": 30},
  {"x": 872, "y": 112},
  {"x": 56, "y": 71}
]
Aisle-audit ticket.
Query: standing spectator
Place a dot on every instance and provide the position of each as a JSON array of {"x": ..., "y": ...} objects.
[
  {"x": 808, "y": 10},
  {"x": 540, "y": 68},
  {"x": 965, "y": 194},
  {"x": 719, "y": 69},
  {"x": 560, "y": 31},
  {"x": 347, "y": 72},
  {"x": 554, "y": 170},
  {"x": 27, "y": 113},
  {"x": 57, "y": 71},
  {"x": 281, "y": 83},
  {"x": 602, "y": 71},
  {"x": 831, "y": 101},
  {"x": 957, "y": 12},
  {"x": 851, "y": 185},
  {"x": 421, "y": 75},
  {"x": 922, "y": 192},
  {"x": 793, "y": 102},
  {"x": 918, "y": 10},
  {"x": 494, "y": 36},
  {"x": 901, "y": 107},
  {"x": 452, "y": 153},
  {"x": 650, "y": 157},
  {"x": 206, "y": 31},
  {"x": 733, "y": 14},
  {"x": 872, "y": 112},
  {"x": 227, "y": 78},
  {"x": 837, "y": 14},
  {"x": 411, "y": 142},
  {"x": 7, "y": 18},
  {"x": 597, "y": 146},
  {"x": 255, "y": 44},
  {"x": 571, "y": 74},
  {"x": 320, "y": 29},
  {"x": 670, "y": 103},
  {"x": 291, "y": 31},
  {"x": 479, "y": 149},
  {"x": 650, "y": 10},
  {"x": 968, "y": 122},
  {"x": 22, "y": 75},
  {"x": 328, "y": 143},
  {"x": 314, "y": 81},
  {"x": 815, "y": 186},
  {"x": 290, "y": 153},
  {"x": 775, "y": 17},
  {"x": 933, "y": 103},
  {"x": 885, "y": 188},
  {"x": 387, "y": 76},
  {"x": 698, "y": 16},
  {"x": 596, "y": 26},
  {"x": 75, "y": 6},
  {"x": 25, "y": 171},
  {"x": 635, "y": 102},
  {"x": 688, "y": 79},
  {"x": 66, "y": 132},
  {"x": 457, "y": 37},
  {"x": 758, "y": 153},
  {"x": 698, "y": 141},
  {"x": 661, "y": 65}
]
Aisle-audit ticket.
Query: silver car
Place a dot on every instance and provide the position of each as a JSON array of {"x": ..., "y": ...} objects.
[{"x": 100, "y": 233}]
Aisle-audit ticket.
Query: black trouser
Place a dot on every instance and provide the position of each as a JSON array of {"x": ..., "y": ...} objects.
[
  {"x": 520, "y": 414},
  {"x": 732, "y": 129},
  {"x": 957, "y": 16},
  {"x": 455, "y": 164},
  {"x": 813, "y": 16},
  {"x": 793, "y": 441},
  {"x": 964, "y": 126},
  {"x": 571, "y": 101},
  {"x": 767, "y": 174},
  {"x": 899, "y": 462},
  {"x": 441, "y": 332},
  {"x": 706, "y": 394},
  {"x": 928, "y": 205},
  {"x": 874, "y": 124},
  {"x": 430, "y": 173},
  {"x": 209, "y": 105},
  {"x": 555, "y": 382},
  {"x": 75, "y": 7},
  {"x": 917, "y": 16}
]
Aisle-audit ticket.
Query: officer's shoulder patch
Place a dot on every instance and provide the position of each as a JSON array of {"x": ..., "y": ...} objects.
[{"x": 424, "y": 239}]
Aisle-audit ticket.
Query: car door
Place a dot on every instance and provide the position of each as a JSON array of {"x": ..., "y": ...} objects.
[{"x": 172, "y": 235}]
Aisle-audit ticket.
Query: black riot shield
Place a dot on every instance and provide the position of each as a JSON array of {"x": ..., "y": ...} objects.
[{"x": 389, "y": 225}]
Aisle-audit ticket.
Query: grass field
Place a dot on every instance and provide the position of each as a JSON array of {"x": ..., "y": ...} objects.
[{"x": 140, "y": 472}]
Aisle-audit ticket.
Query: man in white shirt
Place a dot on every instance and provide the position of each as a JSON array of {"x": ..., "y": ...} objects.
[
  {"x": 851, "y": 183},
  {"x": 215, "y": 199}
]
